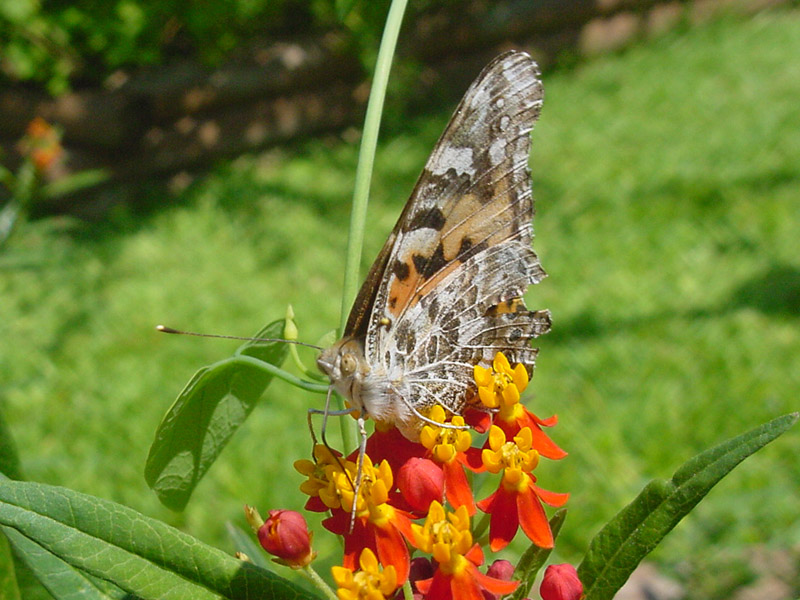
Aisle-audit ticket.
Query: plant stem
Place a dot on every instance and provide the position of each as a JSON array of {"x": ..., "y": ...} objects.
[
  {"x": 366, "y": 161},
  {"x": 408, "y": 593},
  {"x": 318, "y": 582},
  {"x": 366, "y": 156}
]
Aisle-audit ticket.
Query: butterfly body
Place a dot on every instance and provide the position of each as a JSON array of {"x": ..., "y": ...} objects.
[{"x": 445, "y": 292}]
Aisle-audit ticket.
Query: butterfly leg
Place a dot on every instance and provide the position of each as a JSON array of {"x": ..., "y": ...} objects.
[
  {"x": 362, "y": 451},
  {"x": 326, "y": 412}
]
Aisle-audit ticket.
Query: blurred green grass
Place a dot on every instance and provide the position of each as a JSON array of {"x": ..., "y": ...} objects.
[{"x": 666, "y": 180}]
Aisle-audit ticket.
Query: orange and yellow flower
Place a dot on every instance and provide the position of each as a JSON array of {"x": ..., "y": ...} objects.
[
  {"x": 447, "y": 445},
  {"x": 376, "y": 524},
  {"x": 499, "y": 389},
  {"x": 446, "y": 536},
  {"x": 518, "y": 500},
  {"x": 368, "y": 583}
]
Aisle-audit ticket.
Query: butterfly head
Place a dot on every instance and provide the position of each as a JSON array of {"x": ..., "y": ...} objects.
[{"x": 345, "y": 366}]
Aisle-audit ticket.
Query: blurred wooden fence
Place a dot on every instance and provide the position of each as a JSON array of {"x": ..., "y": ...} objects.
[{"x": 183, "y": 115}]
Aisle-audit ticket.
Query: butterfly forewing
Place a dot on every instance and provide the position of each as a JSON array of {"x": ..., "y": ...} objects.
[{"x": 445, "y": 291}]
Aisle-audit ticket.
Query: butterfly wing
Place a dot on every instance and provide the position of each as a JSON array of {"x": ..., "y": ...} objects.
[{"x": 445, "y": 291}]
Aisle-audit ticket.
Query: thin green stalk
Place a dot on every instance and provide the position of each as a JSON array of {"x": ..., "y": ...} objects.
[
  {"x": 366, "y": 156},
  {"x": 318, "y": 582},
  {"x": 366, "y": 160},
  {"x": 408, "y": 593}
]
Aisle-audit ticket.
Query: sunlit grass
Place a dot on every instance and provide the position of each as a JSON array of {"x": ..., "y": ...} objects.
[{"x": 666, "y": 180}]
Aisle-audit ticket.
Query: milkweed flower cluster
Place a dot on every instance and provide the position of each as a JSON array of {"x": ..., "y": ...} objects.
[{"x": 416, "y": 498}]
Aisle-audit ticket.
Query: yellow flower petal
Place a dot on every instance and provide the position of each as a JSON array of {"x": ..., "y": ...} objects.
[
  {"x": 343, "y": 577},
  {"x": 463, "y": 441},
  {"x": 368, "y": 561},
  {"x": 491, "y": 460},
  {"x": 520, "y": 377},
  {"x": 524, "y": 439},
  {"x": 441, "y": 552},
  {"x": 501, "y": 364},
  {"x": 428, "y": 437},
  {"x": 510, "y": 394},
  {"x": 482, "y": 375},
  {"x": 437, "y": 414},
  {"x": 488, "y": 397},
  {"x": 445, "y": 452},
  {"x": 496, "y": 438},
  {"x": 389, "y": 580},
  {"x": 304, "y": 466}
]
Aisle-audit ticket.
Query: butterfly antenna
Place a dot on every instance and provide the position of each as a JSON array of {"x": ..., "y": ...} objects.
[{"x": 165, "y": 329}]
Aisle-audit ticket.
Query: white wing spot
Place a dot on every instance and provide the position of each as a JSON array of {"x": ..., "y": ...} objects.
[
  {"x": 497, "y": 151},
  {"x": 456, "y": 158}
]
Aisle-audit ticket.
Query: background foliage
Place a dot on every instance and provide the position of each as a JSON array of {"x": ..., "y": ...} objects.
[
  {"x": 666, "y": 181},
  {"x": 62, "y": 44}
]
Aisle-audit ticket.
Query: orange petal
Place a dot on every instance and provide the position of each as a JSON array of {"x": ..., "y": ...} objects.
[
  {"x": 533, "y": 519},
  {"x": 464, "y": 585},
  {"x": 551, "y": 498},
  {"x": 505, "y": 521},
  {"x": 495, "y": 586},
  {"x": 457, "y": 487},
  {"x": 392, "y": 550}
]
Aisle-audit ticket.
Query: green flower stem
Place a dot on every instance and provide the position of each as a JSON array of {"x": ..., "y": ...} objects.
[
  {"x": 366, "y": 160},
  {"x": 408, "y": 593},
  {"x": 318, "y": 582},
  {"x": 480, "y": 527},
  {"x": 366, "y": 156}
]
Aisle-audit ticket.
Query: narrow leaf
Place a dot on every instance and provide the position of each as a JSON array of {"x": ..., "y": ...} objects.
[
  {"x": 142, "y": 556},
  {"x": 533, "y": 559},
  {"x": 625, "y": 540},
  {"x": 207, "y": 413},
  {"x": 60, "y": 579},
  {"x": 8, "y": 577},
  {"x": 9, "y": 458},
  {"x": 243, "y": 542}
]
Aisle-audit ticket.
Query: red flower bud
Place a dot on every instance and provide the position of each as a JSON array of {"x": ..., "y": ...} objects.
[
  {"x": 561, "y": 583},
  {"x": 499, "y": 569},
  {"x": 421, "y": 481},
  {"x": 285, "y": 535},
  {"x": 421, "y": 568}
]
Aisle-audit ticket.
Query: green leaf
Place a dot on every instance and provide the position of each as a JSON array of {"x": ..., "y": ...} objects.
[
  {"x": 534, "y": 558},
  {"x": 141, "y": 556},
  {"x": 8, "y": 577},
  {"x": 206, "y": 414},
  {"x": 60, "y": 579},
  {"x": 625, "y": 540}
]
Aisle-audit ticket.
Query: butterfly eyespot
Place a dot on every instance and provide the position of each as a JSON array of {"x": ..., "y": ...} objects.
[
  {"x": 348, "y": 364},
  {"x": 385, "y": 322}
]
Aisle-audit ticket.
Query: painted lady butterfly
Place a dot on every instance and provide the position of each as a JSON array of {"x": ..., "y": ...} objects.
[{"x": 445, "y": 292}]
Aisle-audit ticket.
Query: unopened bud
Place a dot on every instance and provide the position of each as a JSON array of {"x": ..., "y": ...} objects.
[
  {"x": 290, "y": 328},
  {"x": 561, "y": 583},
  {"x": 285, "y": 535},
  {"x": 421, "y": 481}
]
